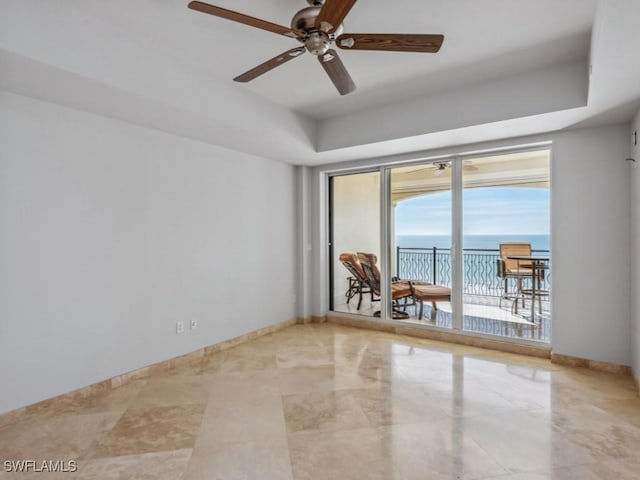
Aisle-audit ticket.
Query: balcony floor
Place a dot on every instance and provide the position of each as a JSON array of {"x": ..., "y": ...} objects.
[{"x": 481, "y": 315}]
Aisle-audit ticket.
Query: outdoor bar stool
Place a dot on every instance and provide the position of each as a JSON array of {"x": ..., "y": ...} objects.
[
  {"x": 513, "y": 269},
  {"x": 429, "y": 293},
  {"x": 535, "y": 292}
]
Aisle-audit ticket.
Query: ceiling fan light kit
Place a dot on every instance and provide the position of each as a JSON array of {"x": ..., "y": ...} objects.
[
  {"x": 440, "y": 170},
  {"x": 318, "y": 27}
]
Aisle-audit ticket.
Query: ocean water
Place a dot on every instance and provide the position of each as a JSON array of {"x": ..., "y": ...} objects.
[{"x": 490, "y": 242}]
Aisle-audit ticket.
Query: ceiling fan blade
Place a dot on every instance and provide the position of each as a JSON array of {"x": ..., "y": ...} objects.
[
  {"x": 332, "y": 14},
  {"x": 393, "y": 42},
  {"x": 270, "y": 65},
  {"x": 245, "y": 19},
  {"x": 337, "y": 72}
]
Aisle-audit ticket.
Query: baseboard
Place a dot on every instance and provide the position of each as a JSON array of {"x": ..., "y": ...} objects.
[
  {"x": 313, "y": 319},
  {"x": 449, "y": 337},
  {"x": 570, "y": 361},
  {"x": 140, "y": 373}
]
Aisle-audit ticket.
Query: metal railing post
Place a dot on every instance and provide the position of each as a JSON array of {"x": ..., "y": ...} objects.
[
  {"x": 435, "y": 266},
  {"x": 398, "y": 262}
]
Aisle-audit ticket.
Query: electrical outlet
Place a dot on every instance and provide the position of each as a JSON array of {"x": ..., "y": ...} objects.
[
  {"x": 194, "y": 323},
  {"x": 179, "y": 327}
]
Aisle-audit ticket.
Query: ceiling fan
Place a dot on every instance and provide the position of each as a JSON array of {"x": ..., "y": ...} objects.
[
  {"x": 441, "y": 167},
  {"x": 318, "y": 27}
]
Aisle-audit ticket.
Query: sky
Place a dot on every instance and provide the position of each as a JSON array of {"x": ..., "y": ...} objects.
[{"x": 487, "y": 211}]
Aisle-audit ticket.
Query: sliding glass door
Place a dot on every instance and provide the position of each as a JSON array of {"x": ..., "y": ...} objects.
[
  {"x": 459, "y": 243},
  {"x": 421, "y": 241},
  {"x": 355, "y": 228},
  {"x": 506, "y": 209}
]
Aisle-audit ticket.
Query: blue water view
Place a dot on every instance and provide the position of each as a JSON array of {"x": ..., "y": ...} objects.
[{"x": 489, "y": 242}]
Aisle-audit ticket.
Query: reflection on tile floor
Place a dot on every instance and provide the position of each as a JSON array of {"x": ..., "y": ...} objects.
[
  {"x": 481, "y": 315},
  {"x": 331, "y": 402}
]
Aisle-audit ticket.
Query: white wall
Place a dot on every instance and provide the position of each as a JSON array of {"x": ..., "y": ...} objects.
[
  {"x": 591, "y": 233},
  {"x": 635, "y": 246},
  {"x": 304, "y": 239},
  {"x": 590, "y": 244},
  {"x": 110, "y": 233}
]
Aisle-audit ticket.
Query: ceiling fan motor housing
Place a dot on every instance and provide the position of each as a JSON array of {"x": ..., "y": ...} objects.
[
  {"x": 315, "y": 40},
  {"x": 305, "y": 19},
  {"x": 317, "y": 43}
]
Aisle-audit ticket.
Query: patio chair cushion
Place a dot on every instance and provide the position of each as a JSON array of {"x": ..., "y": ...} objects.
[
  {"x": 350, "y": 260},
  {"x": 431, "y": 293},
  {"x": 400, "y": 289}
]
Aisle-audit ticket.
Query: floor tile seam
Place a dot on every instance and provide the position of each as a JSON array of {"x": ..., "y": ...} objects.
[
  {"x": 91, "y": 448},
  {"x": 198, "y": 430},
  {"x": 513, "y": 404},
  {"x": 204, "y": 400},
  {"x": 243, "y": 403},
  {"x": 134, "y": 408},
  {"x": 219, "y": 444},
  {"x": 340, "y": 372},
  {"x": 472, "y": 416},
  {"x": 343, "y": 390},
  {"x": 319, "y": 391},
  {"x": 546, "y": 471},
  {"x": 300, "y": 352},
  {"x": 146, "y": 452},
  {"x": 215, "y": 411},
  {"x": 322, "y": 430},
  {"x": 469, "y": 437},
  {"x": 384, "y": 427},
  {"x": 286, "y": 438},
  {"x": 282, "y": 364},
  {"x": 251, "y": 370},
  {"x": 317, "y": 431},
  {"x": 132, "y": 455}
]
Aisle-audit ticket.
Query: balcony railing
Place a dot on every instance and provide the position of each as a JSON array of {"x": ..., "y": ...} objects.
[{"x": 434, "y": 265}]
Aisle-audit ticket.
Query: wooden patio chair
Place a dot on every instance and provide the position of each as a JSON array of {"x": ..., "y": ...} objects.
[
  {"x": 360, "y": 284},
  {"x": 419, "y": 291},
  {"x": 399, "y": 289}
]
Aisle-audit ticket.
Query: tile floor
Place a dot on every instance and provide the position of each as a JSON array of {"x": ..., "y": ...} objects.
[{"x": 331, "y": 402}]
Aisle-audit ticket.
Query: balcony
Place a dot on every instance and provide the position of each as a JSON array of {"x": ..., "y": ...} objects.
[{"x": 485, "y": 310}]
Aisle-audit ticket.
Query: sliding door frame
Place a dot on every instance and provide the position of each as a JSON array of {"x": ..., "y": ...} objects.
[
  {"x": 457, "y": 259},
  {"x": 457, "y": 233}
]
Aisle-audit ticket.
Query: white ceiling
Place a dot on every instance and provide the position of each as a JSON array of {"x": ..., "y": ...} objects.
[
  {"x": 170, "y": 58},
  {"x": 474, "y": 34}
]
